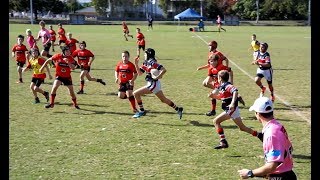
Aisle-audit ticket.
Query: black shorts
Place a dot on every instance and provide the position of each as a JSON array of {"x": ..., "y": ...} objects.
[
  {"x": 141, "y": 47},
  {"x": 37, "y": 81},
  {"x": 47, "y": 47},
  {"x": 21, "y": 64},
  {"x": 85, "y": 68},
  {"x": 62, "y": 41},
  {"x": 65, "y": 80},
  {"x": 289, "y": 175},
  {"x": 123, "y": 87}
]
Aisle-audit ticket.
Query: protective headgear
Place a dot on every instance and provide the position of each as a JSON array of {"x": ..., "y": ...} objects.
[{"x": 150, "y": 53}]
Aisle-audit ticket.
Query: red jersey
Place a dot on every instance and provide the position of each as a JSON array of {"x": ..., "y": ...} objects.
[
  {"x": 53, "y": 35},
  {"x": 125, "y": 28},
  {"x": 83, "y": 56},
  {"x": 20, "y": 52},
  {"x": 62, "y": 67},
  {"x": 62, "y": 34},
  {"x": 226, "y": 91},
  {"x": 213, "y": 72},
  {"x": 125, "y": 71},
  {"x": 140, "y": 40},
  {"x": 35, "y": 64},
  {"x": 72, "y": 44},
  {"x": 220, "y": 55}
]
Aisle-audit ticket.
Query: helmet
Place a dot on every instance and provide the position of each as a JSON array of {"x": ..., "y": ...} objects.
[
  {"x": 265, "y": 45},
  {"x": 213, "y": 44},
  {"x": 150, "y": 53}
]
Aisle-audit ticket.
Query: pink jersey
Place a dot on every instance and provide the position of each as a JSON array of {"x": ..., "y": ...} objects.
[
  {"x": 32, "y": 42},
  {"x": 45, "y": 36},
  {"x": 277, "y": 146}
]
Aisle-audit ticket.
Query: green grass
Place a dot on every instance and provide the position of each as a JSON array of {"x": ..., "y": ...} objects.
[{"x": 102, "y": 141}]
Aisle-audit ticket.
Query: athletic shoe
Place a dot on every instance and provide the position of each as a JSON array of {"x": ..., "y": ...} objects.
[
  {"x": 241, "y": 101},
  {"x": 260, "y": 136},
  {"x": 49, "y": 106},
  {"x": 139, "y": 114},
  {"x": 18, "y": 82},
  {"x": 102, "y": 82},
  {"x": 223, "y": 144},
  {"x": 76, "y": 106},
  {"x": 46, "y": 94},
  {"x": 80, "y": 92},
  {"x": 211, "y": 113},
  {"x": 36, "y": 101},
  {"x": 180, "y": 110},
  {"x": 263, "y": 89},
  {"x": 272, "y": 98}
]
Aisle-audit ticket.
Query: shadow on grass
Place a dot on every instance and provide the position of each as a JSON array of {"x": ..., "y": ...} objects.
[
  {"x": 197, "y": 123},
  {"x": 298, "y": 156}
]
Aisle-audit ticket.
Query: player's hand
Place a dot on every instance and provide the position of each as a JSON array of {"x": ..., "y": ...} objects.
[{"x": 137, "y": 59}]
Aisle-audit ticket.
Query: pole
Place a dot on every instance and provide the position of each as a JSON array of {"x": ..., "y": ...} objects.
[
  {"x": 201, "y": 7},
  {"x": 257, "y": 4},
  {"x": 31, "y": 11},
  {"x": 309, "y": 13}
]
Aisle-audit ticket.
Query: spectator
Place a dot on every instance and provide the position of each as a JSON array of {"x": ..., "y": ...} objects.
[{"x": 201, "y": 25}]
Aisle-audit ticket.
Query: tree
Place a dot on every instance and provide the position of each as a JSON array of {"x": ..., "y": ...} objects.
[{"x": 38, "y": 6}]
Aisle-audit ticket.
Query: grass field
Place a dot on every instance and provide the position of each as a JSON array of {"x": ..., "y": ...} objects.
[{"x": 102, "y": 141}]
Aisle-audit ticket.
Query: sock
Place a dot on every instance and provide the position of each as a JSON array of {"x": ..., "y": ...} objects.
[
  {"x": 140, "y": 105},
  {"x": 81, "y": 85},
  {"x": 254, "y": 133},
  {"x": 53, "y": 96},
  {"x": 133, "y": 103},
  {"x": 221, "y": 133},
  {"x": 213, "y": 104},
  {"x": 74, "y": 101}
]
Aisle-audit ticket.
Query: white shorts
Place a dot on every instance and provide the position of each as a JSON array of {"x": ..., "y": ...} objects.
[
  {"x": 154, "y": 86},
  {"x": 233, "y": 114},
  {"x": 266, "y": 73},
  {"x": 255, "y": 54}
]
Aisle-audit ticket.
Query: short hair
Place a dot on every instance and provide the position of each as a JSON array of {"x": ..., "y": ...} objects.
[
  {"x": 42, "y": 23},
  {"x": 138, "y": 29},
  {"x": 224, "y": 74},
  {"x": 20, "y": 36},
  {"x": 83, "y": 42},
  {"x": 127, "y": 52}
]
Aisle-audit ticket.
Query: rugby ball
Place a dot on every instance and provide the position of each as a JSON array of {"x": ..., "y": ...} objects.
[{"x": 154, "y": 73}]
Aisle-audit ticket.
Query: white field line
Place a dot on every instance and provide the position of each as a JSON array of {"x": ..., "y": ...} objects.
[{"x": 295, "y": 110}]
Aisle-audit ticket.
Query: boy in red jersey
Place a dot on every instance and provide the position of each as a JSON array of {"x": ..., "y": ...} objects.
[
  {"x": 126, "y": 31},
  {"x": 35, "y": 63},
  {"x": 140, "y": 41},
  {"x": 20, "y": 52},
  {"x": 153, "y": 83},
  {"x": 62, "y": 34},
  {"x": 228, "y": 94},
  {"x": 71, "y": 42},
  {"x": 53, "y": 37},
  {"x": 64, "y": 63},
  {"x": 264, "y": 69},
  {"x": 85, "y": 58},
  {"x": 125, "y": 74}
]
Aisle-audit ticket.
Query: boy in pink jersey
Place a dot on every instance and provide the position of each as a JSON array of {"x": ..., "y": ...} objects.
[{"x": 277, "y": 146}]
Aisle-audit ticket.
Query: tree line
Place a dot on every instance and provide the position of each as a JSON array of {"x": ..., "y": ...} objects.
[{"x": 245, "y": 9}]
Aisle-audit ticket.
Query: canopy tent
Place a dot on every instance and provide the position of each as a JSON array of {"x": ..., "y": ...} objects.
[{"x": 188, "y": 14}]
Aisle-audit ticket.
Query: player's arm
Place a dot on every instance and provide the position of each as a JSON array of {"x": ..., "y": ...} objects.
[
  {"x": 136, "y": 64},
  {"x": 234, "y": 99},
  {"x": 91, "y": 60},
  {"x": 162, "y": 72},
  {"x": 44, "y": 65},
  {"x": 116, "y": 76},
  {"x": 262, "y": 171},
  {"x": 203, "y": 67}
]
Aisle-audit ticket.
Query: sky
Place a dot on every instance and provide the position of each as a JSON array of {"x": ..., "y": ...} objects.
[{"x": 84, "y": 1}]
